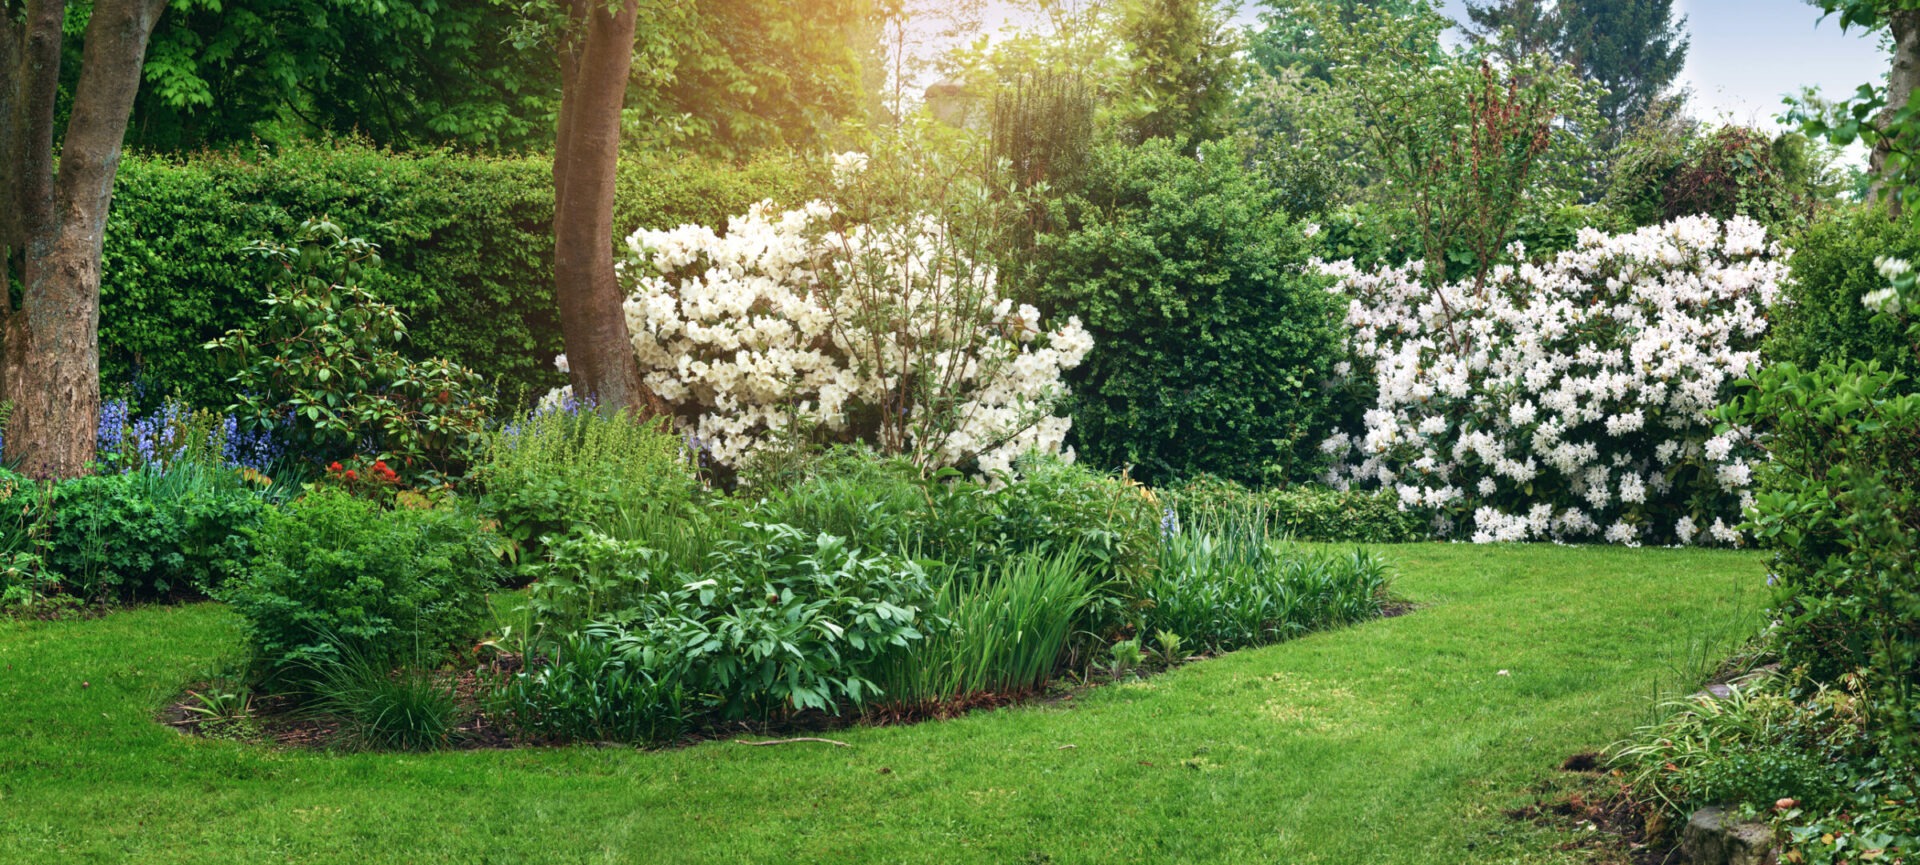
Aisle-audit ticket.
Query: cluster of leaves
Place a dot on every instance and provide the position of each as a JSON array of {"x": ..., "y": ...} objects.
[
  {"x": 1211, "y": 342},
  {"x": 1461, "y": 148},
  {"x": 466, "y": 243},
  {"x": 1809, "y": 758},
  {"x": 1668, "y": 168},
  {"x": 553, "y": 470},
  {"x": 1833, "y": 267},
  {"x": 152, "y": 532},
  {"x": 719, "y": 76},
  {"x": 322, "y": 366},
  {"x": 1301, "y": 513},
  {"x": 333, "y": 574},
  {"x": 1228, "y": 582},
  {"x": 1839, "y": 508}
]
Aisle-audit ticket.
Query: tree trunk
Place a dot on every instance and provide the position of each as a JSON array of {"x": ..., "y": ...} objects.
[
  {"x": 1900, "y": 83},
  {"x": 596, "y": 55},
  {"x": 51, "y": 236}
]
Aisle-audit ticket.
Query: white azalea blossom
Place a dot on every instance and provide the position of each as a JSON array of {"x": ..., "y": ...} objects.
[
  {"x": 1571, "y": 400},
  {"x": 791, "y": 319}
]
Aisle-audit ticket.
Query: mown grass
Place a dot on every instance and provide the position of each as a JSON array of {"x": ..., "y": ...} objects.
[{"x": 1395, "y": 741}]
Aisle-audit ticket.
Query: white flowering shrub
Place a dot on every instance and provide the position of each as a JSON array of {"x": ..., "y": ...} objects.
[
  {"x": 1568, "y": 401},
  {"x": 845, "y": 323}
]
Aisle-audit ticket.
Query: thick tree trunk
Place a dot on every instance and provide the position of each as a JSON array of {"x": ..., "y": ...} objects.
[
  {"x": 50, "y": 361},
  {"x": 1900, "y": 83},
  {"x": 595, "y": 58}
]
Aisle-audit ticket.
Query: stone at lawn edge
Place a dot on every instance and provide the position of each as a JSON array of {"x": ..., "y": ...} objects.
[{"x": 1714, "y": 837}]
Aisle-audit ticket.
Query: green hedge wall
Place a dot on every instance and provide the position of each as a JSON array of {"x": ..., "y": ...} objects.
[{"x": 466, "y": 240}]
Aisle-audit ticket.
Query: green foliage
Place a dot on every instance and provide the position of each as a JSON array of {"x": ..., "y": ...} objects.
[
  {"x": 1751, "y": 749},
  {"x": 1304, "y": 513},
  {"x": 1467, "y": 147},
  {"x": 381, "y": 708},
  {"x": 1211, "y": 343},
  {"x": 154, "y": 532},
  {"x": 25, "y": 504},
  {"x": 1669, "y": 168},
  {"x": 556, "y": 469},
  {"x": 776, "y": 621},
  {"x": 466, "y": 243},
  {"x": 322, "y": 367},
  {"x": 1055, "y": 507},
  {"x": 724, "y": 76},
  {"x": 336, "y": 574},
  {"x": 1833, "y": 268},
  {"x": 1227, "y": 582},
  {"x": 1046, "y": 507},
  {"x": 1001, "y": 631},
  {"x": 1184, "y": 67},
  {"x": 582, "y": 690},
  {"x": 402, "y": 72},
  {"x": 1839, "y": 509}
]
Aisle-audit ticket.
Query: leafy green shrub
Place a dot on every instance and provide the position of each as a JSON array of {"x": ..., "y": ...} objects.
[
  {"x": 582, "y": 690},
  {"x": 1228, "y": 583},
  {"x": 322, "y": 367},
  {"x": 1045, "y": 506},
  {"x": 1833, "y": 267},
  {"x": 1303, "y": 513},
  {"x": 1053, "y": 507},
  {"x": 25, "y": 580},
  {"x": 1001, "y": 631},
  {"x": 333, "y": 573},
  {"x": 1669, "y": 168},
  {"x": 468, "y": 244},
  {"x": 778, "y": 619},
  {"x": 1839, "y": 509},
  {"x": 156, "y": 531},
  {"x": 1212, "y": 343},
  {"x": 554, "y": 470}
]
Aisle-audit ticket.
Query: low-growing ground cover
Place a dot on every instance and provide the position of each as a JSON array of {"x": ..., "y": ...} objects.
[{"x": 1399, "y": 740}]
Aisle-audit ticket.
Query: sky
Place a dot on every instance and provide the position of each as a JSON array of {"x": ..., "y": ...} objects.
[{"x": 1745, "y": 55}]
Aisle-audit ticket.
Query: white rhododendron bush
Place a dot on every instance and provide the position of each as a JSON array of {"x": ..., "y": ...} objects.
[
  {"x": 806, "y": 322},
  {"x": 1572, "y": 400}
]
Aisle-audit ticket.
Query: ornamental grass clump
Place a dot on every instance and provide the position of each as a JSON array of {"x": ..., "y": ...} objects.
[
  {"x": 1227, "y": 582},
  {"x": 1003, "y": 631},
  {"x": 1571, "y": 400}
]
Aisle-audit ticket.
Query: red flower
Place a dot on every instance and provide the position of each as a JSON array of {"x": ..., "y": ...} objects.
[
  {"x": 380, "y": 466},
  {"x": 352, "y": 476},
  {"x": 334, "y": 468}
]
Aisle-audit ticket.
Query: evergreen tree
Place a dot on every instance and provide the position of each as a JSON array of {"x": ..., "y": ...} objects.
[
  {"x": 1513, "y": 29},
  {"x": 1634, "y": 48}
]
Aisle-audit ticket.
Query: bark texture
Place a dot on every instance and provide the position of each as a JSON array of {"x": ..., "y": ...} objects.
[
  {"x": 596, "y": 55},
  {"x": 51, "y": 230},
  {"x": 1900, "y": 83}
]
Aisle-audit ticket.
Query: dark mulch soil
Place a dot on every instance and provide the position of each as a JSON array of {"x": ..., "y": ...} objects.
[{"x": 1600, "y": 817}]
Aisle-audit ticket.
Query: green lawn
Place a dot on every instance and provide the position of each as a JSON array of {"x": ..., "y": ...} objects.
[{"x": 1395, "y": 741}]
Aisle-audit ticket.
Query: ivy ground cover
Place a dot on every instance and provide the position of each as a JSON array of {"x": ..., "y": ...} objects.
[{"x": 1400, "y": 740}]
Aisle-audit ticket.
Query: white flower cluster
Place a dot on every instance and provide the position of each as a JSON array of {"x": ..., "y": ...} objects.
[
  {"x": 885, "y": 335},
  {"x": 1572, "y": 400}
]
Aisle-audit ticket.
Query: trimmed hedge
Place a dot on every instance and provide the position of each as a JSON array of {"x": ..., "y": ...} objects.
[
  {"x": 1213, "y": 343},
  {"x": 467, "y": 243},
  {"x": 1305, "y": 513}
]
